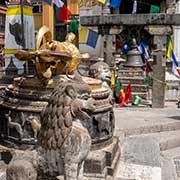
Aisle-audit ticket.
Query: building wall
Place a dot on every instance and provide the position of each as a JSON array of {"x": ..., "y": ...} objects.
[
  {"x": 37, "y": 12},
  {"x": 2, "y": 24},
  {"x": 98, "y": 50}
]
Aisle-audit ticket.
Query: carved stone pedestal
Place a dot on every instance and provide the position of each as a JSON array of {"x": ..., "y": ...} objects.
[
  {"x": 101, "y": 163},
  {"x": 25, "y": 99}
]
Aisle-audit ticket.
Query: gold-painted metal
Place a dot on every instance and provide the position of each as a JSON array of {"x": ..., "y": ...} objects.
[
  {"x": 53, "y": 57},
  {"x": 43, "y": 32},
  {"x": 88, "y": 3}
]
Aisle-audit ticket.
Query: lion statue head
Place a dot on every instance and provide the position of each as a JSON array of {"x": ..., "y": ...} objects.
[
  {"x": 100, "y": 70},
  {"x": 70, "y": 101}
]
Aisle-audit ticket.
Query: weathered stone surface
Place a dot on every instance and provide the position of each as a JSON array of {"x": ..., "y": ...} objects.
[
  {"x": 128, "y": 171},
  {"x": 102, "y": 162},
  {"x": 141, "y": 150},
  {"x": 131, "y": 19}
]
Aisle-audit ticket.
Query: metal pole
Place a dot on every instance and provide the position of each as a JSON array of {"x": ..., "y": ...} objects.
[
  {"x": 23, "y": 38},
  {"x": 22, "y": 24}
]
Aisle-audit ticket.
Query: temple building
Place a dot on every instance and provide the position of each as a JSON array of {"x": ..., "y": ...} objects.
[{"x": 2, "y": 23}]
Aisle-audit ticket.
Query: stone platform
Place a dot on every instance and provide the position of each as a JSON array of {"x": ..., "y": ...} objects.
[{"x": 143, "y": 126}]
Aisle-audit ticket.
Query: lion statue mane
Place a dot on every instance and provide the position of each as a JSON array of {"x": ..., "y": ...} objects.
[{"x": 64, "y": 141}]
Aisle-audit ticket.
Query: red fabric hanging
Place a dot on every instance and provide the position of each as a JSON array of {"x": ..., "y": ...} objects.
[
  {"x": 64, "y": 14},
  {"x": 128, "y": 93}
]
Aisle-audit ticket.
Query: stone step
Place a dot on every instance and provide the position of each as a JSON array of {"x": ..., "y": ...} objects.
[
  {"x": 167, "y": 139},
  {"x": 135, "y": 121},
  {"x": 130, "y": 70},
  {"x": 171, "y": 153},
  {"x": 131, "y": 80},
  {"x": 137, "y": 87},
  {"x": 130, "y": 74},
  {"x": 146, "y": 129},
  {"x": 171, "y": 164},
  {"x": 140, "y": 159},
  {"x": 143, "y": 95}
]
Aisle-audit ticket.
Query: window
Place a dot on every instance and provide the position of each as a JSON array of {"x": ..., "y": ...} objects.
[{"x": 37, "y": 7}]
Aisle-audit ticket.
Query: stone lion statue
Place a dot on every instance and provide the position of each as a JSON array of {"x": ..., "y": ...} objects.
[
  {"x": 64, "y": 141},
  {"x": 101, "y": 70}
]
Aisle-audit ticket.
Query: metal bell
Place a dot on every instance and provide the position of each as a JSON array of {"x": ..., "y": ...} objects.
[{"x": 134, "y": 56}]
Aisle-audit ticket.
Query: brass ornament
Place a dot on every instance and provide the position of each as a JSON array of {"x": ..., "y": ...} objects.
[
  {"x": 53, "y": 57},
  {"x": 88, "y": 3}
]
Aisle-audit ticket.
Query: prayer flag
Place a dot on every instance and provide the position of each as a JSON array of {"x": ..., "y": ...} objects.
[
  {"x": 102, "y": 1},
  {"x": 154, "y": 9},
  {"x": 171, "y": 55},
  {"x": 169, "y": 48},
  {"x": 143, "y": 50},
  {"x": 92, "y": 38},
  {"x": 48, "y": 1},
  {"x": 137, "y": 100},
  {"x": 73, "y": 25},
  {"x": 145, "y": 56},
  {"x": 58, "y": 3},
  {"x": 118, "y": 87},
  {"x": 13, "y": 29},
  {"x": 112, "y": 80},
  {"x": 115, "y": 3},
  {"x": 128, "y": 93},
  {"x": 149, "y": 80},
  {"x": 148, "y": 68},
  {"x": 83, "y": 34},
  {"x": 64, "y": 14},
  {"x": 122, "y": 98},
  {"x": 175, "y": 69}
]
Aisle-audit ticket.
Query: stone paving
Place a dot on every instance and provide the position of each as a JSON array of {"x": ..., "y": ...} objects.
[
  {"x": 139, "y": 130},
  {"x": 141, "y": 157}
]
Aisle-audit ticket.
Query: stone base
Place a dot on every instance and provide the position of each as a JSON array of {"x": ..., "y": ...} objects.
[{"x": 101, "y": 163}]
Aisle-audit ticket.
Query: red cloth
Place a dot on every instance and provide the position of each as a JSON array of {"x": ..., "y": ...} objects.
[
  {"x": 118, "y": 44},
  {"x": 64, "y": 14},
  {"x": 148, "y": 68},
  {"x": 122, "y": 99},
  {"x": 128, "y": 93}
]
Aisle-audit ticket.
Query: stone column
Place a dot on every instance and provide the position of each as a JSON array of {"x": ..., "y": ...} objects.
[
  {"x": 108, "y": 39},
  {"x": 177, "y": 35},
  {"x": 108, "y": 53},
  {"x": 159, "y": 65}
]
